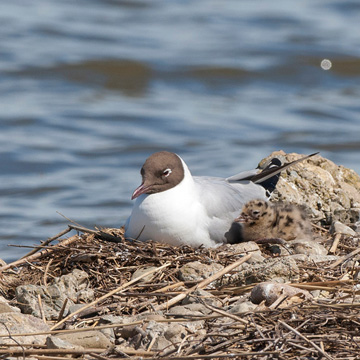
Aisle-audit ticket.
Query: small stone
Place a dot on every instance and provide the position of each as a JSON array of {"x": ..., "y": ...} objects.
[
  {"x": 340, "y": 228},
  {"x": 314, "y": 258},
  {"x": 197, "y": 271},
  {"x": 87, "y": 339},
  {"x": 242, "y": 307},
  {"x": 205, "y": 296},
  {"x": 307, "y": 247},
  {"x": 250, "y": 247},
  {"x": 271, "y": 291},
  {"x": 142, "y": 271},
  {"x": 283, "y": 267},
  {"x": 54, "y": 342},
  {"x": 190, "y": 309}
]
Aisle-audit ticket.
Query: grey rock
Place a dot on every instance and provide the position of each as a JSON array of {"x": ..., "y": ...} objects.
[
  {"x": 307, "y": 247},
  {"x": 314, "y": 258},
  {"x": 271, "y": 291},
  {"x": 340, "y": 228},
  {"x": 171, "y": 333},
  {"x": 107, "y": 320},
  {"x": 70, "y": 286},
  {"x": 250, "y": 247},
  {"x": 284, "y": 268},
  {"x": 242, "y": 306},
  {"x": 142, "y": 271},
  {"x": 6, "y": 307},
  {"x": 201, "y": 295},
  {"x": 190, "y": 310},
  {"x": 197, "y": 271},
  {"x": 87, "y": 339},
  {"x": 127, "y": 332},
  {"x": 54, "y": 342},
  {"x": 17, "y": 323},
  {"x": 330, "y": 192}
]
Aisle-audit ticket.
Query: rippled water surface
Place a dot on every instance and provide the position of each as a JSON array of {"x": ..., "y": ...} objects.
[{"x": 88, "y": 89}]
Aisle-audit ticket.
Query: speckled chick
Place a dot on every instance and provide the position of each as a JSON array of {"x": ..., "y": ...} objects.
[{"x": 261, "y": 220}]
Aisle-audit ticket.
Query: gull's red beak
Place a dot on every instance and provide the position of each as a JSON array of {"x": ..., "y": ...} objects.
[{"x": 142, "y": 189}]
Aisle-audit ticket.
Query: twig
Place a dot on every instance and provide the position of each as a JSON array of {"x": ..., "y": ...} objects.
[
  {"x": 42, "y": 314},
  {"x": 61, "y": 313},
  {"x": 109, "y": 294},
  {"x": 344, "y": 258},
  {"x": 224, "y": 313},
  {"x": 202, "y": 284},
  {"x": 36, "y": 256},
  {"x": 46, "y": 271},
  {"x": 335, "y": 243},
  {"x": 103, "y": 235},
  {"x": 317, "y": 348},
  {"x": 46, "y": 242}
]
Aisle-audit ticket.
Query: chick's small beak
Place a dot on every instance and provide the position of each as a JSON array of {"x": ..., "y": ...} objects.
[
  {"x": 241, "y": 219},
  {"x": 142, "y": 189}
]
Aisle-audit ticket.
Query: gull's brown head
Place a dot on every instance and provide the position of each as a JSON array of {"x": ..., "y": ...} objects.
[{"x": 161, "y": 171}]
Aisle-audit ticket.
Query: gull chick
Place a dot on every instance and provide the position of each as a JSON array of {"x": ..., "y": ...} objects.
[
  {"x": 176, "y": 208},
  {"x": 264, "y": 220}
]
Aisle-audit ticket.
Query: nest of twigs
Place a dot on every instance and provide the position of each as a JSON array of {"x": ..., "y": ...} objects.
[{"x": 324, "y": 327}]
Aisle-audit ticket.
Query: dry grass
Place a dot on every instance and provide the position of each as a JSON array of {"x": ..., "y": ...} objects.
[{"x": 326, "y": 327}]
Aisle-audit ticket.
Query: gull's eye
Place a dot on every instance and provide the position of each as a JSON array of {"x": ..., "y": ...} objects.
[
  {"x": 256, "y": 212},
  {"x": 167, "y": 172}
]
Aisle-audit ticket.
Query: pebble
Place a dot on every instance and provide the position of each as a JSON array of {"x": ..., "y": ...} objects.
[{"x": 271, "y": 291}]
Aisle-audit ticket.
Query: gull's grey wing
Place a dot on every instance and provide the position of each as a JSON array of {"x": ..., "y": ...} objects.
[
  {"x": 223, "y": 201},
  {"x": 221, "y": 197}
]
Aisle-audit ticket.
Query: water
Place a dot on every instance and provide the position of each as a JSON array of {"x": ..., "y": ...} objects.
[{"x": 88, "y": 89}]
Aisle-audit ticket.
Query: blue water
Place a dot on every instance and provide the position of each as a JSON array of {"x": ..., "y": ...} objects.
[{"x": 88, "y": 89}]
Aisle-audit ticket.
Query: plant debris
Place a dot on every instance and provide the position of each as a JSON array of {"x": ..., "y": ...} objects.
[{"x": 325, "y": 325}]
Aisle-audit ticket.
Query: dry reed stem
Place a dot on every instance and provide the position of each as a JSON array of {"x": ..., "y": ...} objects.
[
  {"x": 121, "y": 287},
  {"x": 202, "y": 284}
]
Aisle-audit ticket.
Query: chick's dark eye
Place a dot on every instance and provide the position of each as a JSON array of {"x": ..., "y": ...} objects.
[
  {"x": 167, "y": 172},
  {"x": 256, "y": 212}
]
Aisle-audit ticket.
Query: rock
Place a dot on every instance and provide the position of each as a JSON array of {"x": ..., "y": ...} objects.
[
  {"x": 242, "y": 306},
  {"x": 107, "y": 320},
  {"x": 165, "y": 334},
  {"x": 314, "y": 258},
  {"x": 306, "y": 247},
  {"x": 284, "y": 269},
  {"x": 70, "y": 286},
  {"x": 190, "y": 310},
  {"x": 245, "y": 247},
  {"x": 328, "y": 190},
  {"x": 5, "y": 307},
  {"x": 340, "y": 228},
  {"x": 54, "y": 342},
  {"x": 142, "y": 271},
  {"x": 17, "y": 323},
  {"x": 27, "y": 297},
  {"x": 87, "y": 339},
  {"x": 271, "y": 291},
  {"x": 197, "y": 271},
  {"x": 205, "y": 296},
  {"x": 127, "y": 332}
]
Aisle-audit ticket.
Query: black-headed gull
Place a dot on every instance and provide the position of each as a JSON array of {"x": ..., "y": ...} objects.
[{"x": 176, "y": 208}]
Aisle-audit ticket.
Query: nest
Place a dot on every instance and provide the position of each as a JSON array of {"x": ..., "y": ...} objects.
[{"x": 323, "y": 327}]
